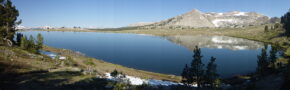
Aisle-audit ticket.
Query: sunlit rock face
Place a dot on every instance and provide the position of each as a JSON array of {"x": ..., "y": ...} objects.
[
  {"x": 216, "y": 42},
  {"x": 199, "y": 19}
]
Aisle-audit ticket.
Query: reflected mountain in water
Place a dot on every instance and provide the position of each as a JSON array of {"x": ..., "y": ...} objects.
[{"x": 216, "y": 42}]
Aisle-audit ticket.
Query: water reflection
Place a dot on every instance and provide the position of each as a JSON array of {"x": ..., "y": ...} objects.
[
  {"x": 157, "y": 54},
  {"x": 216, "y": 42}
]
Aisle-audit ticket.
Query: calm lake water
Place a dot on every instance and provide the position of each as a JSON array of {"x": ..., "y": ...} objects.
[{"x": 158, "y": 54}]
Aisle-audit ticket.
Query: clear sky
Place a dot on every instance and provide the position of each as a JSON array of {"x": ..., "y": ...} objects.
[{"x": 117, "y": 13}]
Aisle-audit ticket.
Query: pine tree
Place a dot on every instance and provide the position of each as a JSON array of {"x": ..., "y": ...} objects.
[
  {"x": 115, "y": 73},
  {"x": 18, "y": 38},
  {"x": 195, "y": 73},
  {"x": 287, "y": 73},
  {"x": 266, "y": 29},
  {"x": 285, "y": 20},
  {"x": 211, "y": 72},
  {"x": 197, "y": 67},
  {"x": 286, "y": 84},
  {"x": 23, "y": 43},
  {"x": 31, "y": 44},
  {"x": 276, "y": 26},
  {"x": 273, "y": 56},
  {"x": 39, "y": 42},
  {"x": 262, "y": 63},
  {"x": 186, "y": 75},
  {"x": 8, "y": 22}
]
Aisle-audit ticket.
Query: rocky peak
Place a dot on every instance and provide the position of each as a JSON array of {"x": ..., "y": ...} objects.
[
  {"x": 198, "y": 19},
  {"x": 194, "y": 11}
]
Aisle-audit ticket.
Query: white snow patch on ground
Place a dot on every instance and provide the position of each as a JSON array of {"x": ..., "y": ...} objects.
[
  {"x": 217, "y": 21},
  {"x": 51, "y": 55},
  {"x": 131, "y": 79},
  {"x": 160, "y": 82},
  {"x": 62, "y": 57},
  {"x": 138, "y": 81},
  {"x": 108, "y": 75},
  {"x": 135, "y": 80}
]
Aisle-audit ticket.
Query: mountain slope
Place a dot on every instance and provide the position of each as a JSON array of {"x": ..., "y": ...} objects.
[
  {"x": 198, "y": 19},
  {"x": 194, "y": 18}
]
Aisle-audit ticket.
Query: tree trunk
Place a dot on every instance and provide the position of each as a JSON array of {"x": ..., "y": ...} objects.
[
  {"x": 198, "y": 83},
  {"x": 7, "y": 40},
  {"x": 9, "y": 43}
]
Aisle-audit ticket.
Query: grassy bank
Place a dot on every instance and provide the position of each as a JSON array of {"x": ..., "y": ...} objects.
[
  {"x": 17, "y": 61},
  {"x": 102, "y": 67},
  {"x": 20, "y": 69}
]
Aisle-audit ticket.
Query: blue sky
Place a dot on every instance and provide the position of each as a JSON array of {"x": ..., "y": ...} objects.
[{"x": 117, "y": 13}]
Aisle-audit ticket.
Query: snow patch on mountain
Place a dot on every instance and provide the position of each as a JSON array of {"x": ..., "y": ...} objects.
[
  {"x": 217, "y": 22},
  {"x": 240, "y": 14},
  {"x": 19, "y": 27},
  {"x": 198, "y": 19}
]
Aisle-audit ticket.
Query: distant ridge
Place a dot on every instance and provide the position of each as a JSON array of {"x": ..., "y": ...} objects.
[
  {"x": 198, "y": 19},
  {"x": 140, "y": 24}
]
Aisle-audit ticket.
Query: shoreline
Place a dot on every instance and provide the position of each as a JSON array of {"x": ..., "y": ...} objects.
[
  {"x": 104, "y": 67},
  {"x": 232, "y": 32},
  {"x": 254, "y": 33}
]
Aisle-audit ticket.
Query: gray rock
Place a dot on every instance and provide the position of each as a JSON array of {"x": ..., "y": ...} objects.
[{"x": 198, "y": 19}]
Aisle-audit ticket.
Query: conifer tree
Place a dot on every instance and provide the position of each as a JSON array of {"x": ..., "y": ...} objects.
[
  {"x": 273, "y": 56},
  {"x": 39, "y": 42},
  {"x": 115, "y": 73},
  {"x": 285, "y": 20},
  {"x": 31, "y": 44},
  {"x": 276, "y": 26},
  {"x": 211, "y": 72},
  {"x": 266, "y": 29},
  {"x": 23, "y": 43},
  {"x": 196, "y": 73},
  {"x": 186, "y": 75},
  {"x": 197, "y": 67},
  {"x": 262, "y": 63},
  {"x": 8, "y": 22},
  {"x": 286, "y": 84},
  {"x": 18, "y": 38}
]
